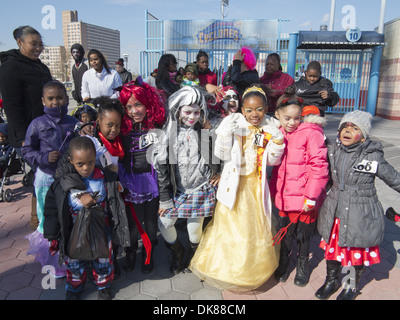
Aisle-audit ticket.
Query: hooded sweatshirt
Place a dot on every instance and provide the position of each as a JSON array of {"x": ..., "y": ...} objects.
[{"x": 21, "y": 84}]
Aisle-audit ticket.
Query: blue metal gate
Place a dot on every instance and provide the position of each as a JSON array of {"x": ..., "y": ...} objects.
[{"x": 349, "y": 72}]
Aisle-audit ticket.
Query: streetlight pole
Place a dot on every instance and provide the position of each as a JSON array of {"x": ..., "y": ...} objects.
[
  {"x": 382, "y": 16},
  {"x": 332, "y": 16},
  {"x": 224, "y": 4},
  {"x": 126, "y": 56}
]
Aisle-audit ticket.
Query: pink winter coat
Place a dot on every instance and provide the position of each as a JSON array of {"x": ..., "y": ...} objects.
[{"x": 303, "y": 173}]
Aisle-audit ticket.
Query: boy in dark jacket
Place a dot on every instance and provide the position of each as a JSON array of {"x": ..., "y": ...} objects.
[
  {"x": 78, "y": 185},
  {"x": 351, "y": 220},
  {"x": 316, "y": 90}
]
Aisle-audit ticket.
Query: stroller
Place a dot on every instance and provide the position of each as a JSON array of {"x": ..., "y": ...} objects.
[{"x": 14, "y": 166}]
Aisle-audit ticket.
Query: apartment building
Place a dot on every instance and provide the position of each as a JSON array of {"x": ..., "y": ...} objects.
[
  {"x": 107, "y": 41},
  {"x": 55, "y": 59}
]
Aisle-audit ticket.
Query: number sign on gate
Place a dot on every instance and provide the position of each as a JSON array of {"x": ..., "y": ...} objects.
[{"x": 353, "y": 35}]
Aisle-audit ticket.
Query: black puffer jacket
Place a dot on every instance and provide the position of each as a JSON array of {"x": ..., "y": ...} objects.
[
  {"x": 58, "y": 222},
  {"x": 21, "y": 84},
  {"x": 353, "y": 198},
  {"x": 309, "y": 93}
]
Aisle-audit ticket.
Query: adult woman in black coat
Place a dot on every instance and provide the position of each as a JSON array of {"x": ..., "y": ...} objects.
[{"x": 22, "y": 77}]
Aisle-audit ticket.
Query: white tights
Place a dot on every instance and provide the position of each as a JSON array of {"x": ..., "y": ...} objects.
[{"x": 168, "y": 230}]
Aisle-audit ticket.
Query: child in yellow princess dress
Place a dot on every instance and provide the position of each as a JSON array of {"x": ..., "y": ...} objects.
[{"x": 236, "y": 251}]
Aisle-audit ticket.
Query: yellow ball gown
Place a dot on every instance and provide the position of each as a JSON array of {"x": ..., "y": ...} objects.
[{"x": 236, "y": 252}]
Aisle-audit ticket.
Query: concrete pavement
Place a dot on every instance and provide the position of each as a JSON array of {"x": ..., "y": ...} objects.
[{"x": 21, "y": 277}]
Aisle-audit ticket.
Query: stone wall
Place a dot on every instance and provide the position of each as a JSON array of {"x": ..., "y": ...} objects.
[{"x": 388, "y": 104}]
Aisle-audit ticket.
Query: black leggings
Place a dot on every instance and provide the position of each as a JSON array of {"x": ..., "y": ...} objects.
[
  {"x": 303, "y": 246},
  {"x": 147, "y": 214}
]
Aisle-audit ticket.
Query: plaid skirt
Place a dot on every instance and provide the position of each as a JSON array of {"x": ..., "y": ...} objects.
[{"x": 199, "y": 204}]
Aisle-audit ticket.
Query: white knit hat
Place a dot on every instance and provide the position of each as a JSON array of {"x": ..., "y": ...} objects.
[{"x": 361, "y": 119}]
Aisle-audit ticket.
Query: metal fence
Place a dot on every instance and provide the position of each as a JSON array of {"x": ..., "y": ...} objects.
[{"x": 349, "y": 71}]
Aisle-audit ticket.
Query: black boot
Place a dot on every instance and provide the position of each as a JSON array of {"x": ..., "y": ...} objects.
[
  {"x": 282, "y": 272},
  {"x": 302, "y": 273},
  {"x": 130, "y": 257},
  {"x": 331, "y": 283},
  {"x": 149, "y": 267},
  {"x": 351, "y": 288},
  {"x": 177, "y": 256},
  {"x": 192, "y": 251}
]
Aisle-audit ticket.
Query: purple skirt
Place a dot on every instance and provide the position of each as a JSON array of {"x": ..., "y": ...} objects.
[{"x": 142, "y": 187}]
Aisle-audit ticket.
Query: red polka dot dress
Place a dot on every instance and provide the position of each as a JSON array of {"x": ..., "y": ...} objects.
[{"x": 348, "y": 256}]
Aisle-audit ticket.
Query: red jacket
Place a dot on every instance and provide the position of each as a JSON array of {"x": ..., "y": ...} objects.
[
  {"x": 279, "y": 81},
  {"x": 303, "y": 173},
  {"x": 209, "y": 77}
]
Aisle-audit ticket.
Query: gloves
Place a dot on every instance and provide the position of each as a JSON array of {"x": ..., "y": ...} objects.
[
  {"x": 277, "y": 135},
  {"x": 229, "y": 125},
  {"x": 392, "y": 215}
]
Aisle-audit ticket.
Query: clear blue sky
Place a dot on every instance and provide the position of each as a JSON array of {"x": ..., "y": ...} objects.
[{"x": 128, "y": 16}]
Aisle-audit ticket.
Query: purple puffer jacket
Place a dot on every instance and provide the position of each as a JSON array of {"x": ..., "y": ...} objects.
[{"x": 50, "y": 132}]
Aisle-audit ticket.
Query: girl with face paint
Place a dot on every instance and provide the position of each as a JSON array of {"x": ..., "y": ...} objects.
[
  {"x": 351, "y": 220},
  {"x": 236, "y": 251},
  {"x": 145, "y": 111},
  {"x": 229, "y": 104},
  {"x": 187, "y": 174}
]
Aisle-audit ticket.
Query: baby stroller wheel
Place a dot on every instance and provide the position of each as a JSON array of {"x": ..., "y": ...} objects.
[
  {"x": 8, "y": 195},
  {"x": 25, "y": 181}
]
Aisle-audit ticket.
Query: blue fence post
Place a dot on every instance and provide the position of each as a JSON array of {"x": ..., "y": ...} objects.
[
  {"x": 292, "y": 54},
  {"x": 373, "y": 87}
]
